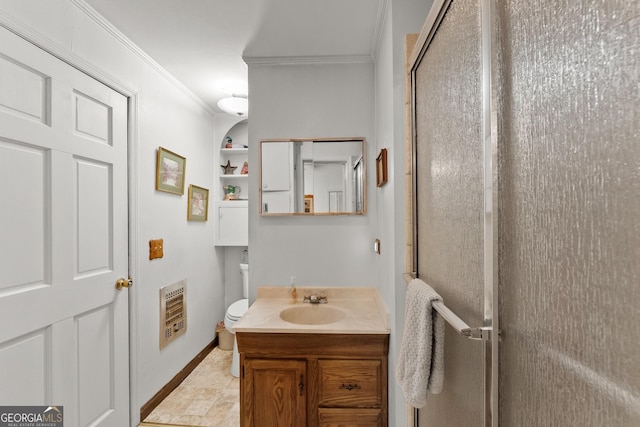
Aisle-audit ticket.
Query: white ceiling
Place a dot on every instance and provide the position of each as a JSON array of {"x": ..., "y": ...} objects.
[{"x": 202, "y": 42}]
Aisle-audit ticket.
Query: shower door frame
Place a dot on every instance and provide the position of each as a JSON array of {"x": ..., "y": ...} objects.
[{"x": 490, "y": 178}]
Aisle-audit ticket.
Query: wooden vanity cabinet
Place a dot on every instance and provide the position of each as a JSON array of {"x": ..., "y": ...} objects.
[{"x": 325, "y": 380}]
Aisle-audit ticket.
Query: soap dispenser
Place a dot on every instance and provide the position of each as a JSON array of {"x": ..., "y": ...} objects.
[{"x": 293, "y": 294}]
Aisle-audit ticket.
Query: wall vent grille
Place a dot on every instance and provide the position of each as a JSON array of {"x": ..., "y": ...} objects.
[{"x": 173, "y": 312}]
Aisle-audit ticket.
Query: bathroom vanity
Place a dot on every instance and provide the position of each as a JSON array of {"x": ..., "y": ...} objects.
[{"x": 326, "y": 365}]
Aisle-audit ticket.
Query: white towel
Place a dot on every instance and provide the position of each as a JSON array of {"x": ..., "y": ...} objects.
[{"x": 420, "y": 367}]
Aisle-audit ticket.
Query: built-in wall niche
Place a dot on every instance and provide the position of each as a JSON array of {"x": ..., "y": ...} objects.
[
  {"x": 231, "y": 207},
  {"x": 324, "y": 176}
]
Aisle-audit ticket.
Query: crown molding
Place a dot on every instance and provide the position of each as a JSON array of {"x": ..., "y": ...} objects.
[
  {"x": 307, "y": 60},
  {"x": 52, "y": 47},
  {"x": 383, "y": 9},
  {"x": 135, "y": 49}
]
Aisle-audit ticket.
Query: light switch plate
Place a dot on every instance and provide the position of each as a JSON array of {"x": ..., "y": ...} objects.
[{"x": 156, "y": 249}]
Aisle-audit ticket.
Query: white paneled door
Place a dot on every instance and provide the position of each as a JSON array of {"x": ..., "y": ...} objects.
[{"x": 63, "y": 239}]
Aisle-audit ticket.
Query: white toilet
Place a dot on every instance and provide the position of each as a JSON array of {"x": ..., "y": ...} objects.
[{"x": 234, "y": 313}]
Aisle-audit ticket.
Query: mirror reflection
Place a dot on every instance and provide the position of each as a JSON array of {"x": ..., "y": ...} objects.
[{"x": 312, "y": 177}]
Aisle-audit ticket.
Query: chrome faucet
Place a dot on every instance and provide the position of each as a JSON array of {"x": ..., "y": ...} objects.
[{"x": 316, "y": 297}]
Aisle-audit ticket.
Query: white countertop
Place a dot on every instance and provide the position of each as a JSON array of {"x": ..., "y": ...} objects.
[{"x": 365, "y": 312}]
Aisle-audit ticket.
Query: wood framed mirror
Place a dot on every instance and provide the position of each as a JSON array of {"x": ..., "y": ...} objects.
[{"x": 315, "y": 176}]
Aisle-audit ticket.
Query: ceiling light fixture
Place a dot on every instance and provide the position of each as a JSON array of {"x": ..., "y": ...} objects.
[{"x": 236, "y": 105}]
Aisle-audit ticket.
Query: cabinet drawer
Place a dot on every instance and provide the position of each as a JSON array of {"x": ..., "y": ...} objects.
[
  {"x": 350, "y": 383},
  {"x": 331, "y": 417}
]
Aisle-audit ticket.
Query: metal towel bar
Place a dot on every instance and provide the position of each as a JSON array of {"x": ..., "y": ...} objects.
[{"x": 482, "y": 333}]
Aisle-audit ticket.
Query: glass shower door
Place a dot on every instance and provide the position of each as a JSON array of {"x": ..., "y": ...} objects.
[{"x": 453, "y": 195}]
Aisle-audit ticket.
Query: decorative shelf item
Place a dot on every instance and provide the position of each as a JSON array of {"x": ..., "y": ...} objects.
[
  {"x": 231, "y": 192},
  {"x": 228, "y": 169}
]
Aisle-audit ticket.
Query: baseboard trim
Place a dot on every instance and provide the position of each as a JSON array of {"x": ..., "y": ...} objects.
[{"x": 165, "y": 391}]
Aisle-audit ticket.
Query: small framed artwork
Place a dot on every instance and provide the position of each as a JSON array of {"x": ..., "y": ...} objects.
[
  {"x": 170, "y": 168},
  {"x": 198, "y": 207},
  {"x": 381, "y": 168}
]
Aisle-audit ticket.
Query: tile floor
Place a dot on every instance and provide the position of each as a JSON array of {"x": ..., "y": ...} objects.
[{"x": 208, "y": 397}]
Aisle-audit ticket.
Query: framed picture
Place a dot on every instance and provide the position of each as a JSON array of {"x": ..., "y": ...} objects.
[
  {"x": 381, "y": 168},
  {"x": 170, "y": 169},
  {"x": 198, "y": 207}
]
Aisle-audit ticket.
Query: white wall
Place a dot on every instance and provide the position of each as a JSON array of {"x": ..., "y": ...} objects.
[
  {"x": 401, "y": 18},
  {"x": 305, "y": 101},
  {"x": 389, "y": 243},
  {"x": 167, "y": 117}
]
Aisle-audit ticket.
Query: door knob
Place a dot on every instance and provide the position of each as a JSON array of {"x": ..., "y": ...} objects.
[{"x": 123, "y": 283}]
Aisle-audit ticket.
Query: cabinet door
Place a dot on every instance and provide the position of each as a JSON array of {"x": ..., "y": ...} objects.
[
  {"x": 274, "y": 393},
  {"x": 276, "y": 166},
  {"x": 232, "y": 227},
  {"x": 277, "y": 202},
  {"x": 330, "y": 417}
]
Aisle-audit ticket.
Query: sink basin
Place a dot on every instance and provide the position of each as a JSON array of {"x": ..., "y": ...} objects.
[{"x": 312, "y": 314}]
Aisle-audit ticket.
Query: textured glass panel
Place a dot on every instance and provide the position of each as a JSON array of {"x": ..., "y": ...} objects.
[
  {"x": 450, "y": 203},
  {"x": 570, "y": 213}
]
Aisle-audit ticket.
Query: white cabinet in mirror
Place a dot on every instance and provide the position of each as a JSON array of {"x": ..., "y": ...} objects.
[{"x": 320, "y": 176}]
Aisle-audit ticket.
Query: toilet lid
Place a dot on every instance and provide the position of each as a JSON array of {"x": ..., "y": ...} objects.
[{"x": 238, "y": 308}]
